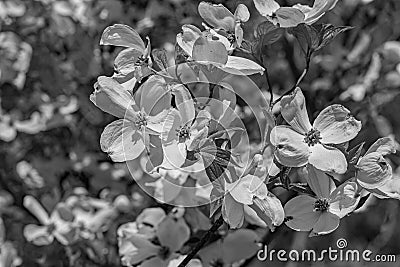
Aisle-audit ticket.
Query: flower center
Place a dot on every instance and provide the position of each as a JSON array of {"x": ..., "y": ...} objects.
[
  {"x": 141, "y": 120},
  {"x": 321, "y": 204},
  {"x": 164, "y": 253},
  {"x": 312, "y": 137},
  {"x": 183, "y": 133},
  {"x": 231, "y": 37},
  {"x": 51, "y": 228},
  {"x": 142, "y": 61}
]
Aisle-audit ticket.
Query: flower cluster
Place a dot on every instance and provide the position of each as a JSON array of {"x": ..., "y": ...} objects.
[
  {"x": 181, "y": 120},
  {"x": 182, "y": 131}
]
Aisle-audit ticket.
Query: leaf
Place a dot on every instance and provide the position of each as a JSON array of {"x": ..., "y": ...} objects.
[
  {"x": 215, "y": 205},
  {"x": 173, "y": 233},
  {"x": 354, "y": 154},
  {"x": 160, "y": 58},
  {"x": 122, "y": 35},
  {"x": 307, "y": 36},
  {"x": 362, "y": 201},
  {"x": 267, "y": 33},
  {"x": 240, "y": 244},
  {"x": 327, "y": 32}
]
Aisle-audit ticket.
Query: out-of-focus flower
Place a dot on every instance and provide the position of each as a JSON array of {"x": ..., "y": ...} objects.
[
  {"x": 58, "y": 225},
  {"x": 15, "y": 59},
  {"x": 7, "y": 130},
  {"x": 8, "y": 254},
  {"x": 29, "y": 175},
  {"x": 11, "y": 9},
  {"x": 35, "y": 124},
  {"x": 358, "y": 91},
  {"x": 373, "y": 170},
  {"x": 136, "y": 247},
  {"x": 303, "y": 143},
  {"x": 321, "y": 214},
  {"x": 92, "y": 215},
  {"x": 140, "y": 115},
  {"x": 227, "y": 26},
  {"x": 133, "y": 61},
  {"x": 292, "y": 16},
  {"x": 249, "y": 196}
]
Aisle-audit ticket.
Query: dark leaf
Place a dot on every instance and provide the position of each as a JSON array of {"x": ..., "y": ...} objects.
[
  {"x": 354, "y": 154},
  {"x": 327, "y": 32},
  {"x": 361, "y": 203},
  {"x": 160, "y": 58},
  {"x": 307, "y": 36},
  {"x": 267, "y": 33},
  {"x": 216, "y": 201}
]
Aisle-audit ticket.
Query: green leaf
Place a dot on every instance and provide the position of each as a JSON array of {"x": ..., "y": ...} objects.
[
  {"x": 307, "y": 36},
  {"x": 160, "y": 58},
  {"x": 216, "y": 201},
  {"x": 267, "y": 33},
  {"x": 327, "y": 32},
  {"x": 354, "y": 154}
]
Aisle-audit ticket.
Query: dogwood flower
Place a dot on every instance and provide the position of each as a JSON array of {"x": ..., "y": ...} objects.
[
  {"x": 321, "y": 214},
  {"x": 140, "y": 115},
  {"x": 202, "y": 48},
  {"x": 180, "y": 129},
  {"x": 373, "y": 170},
  {"x": 59, "y": 225},
  {"x": 225, "y": 23},
  {"x": 302, "y": 143},
  {"x": 133, "y": 61},
  {"x": 249, "y": 196},
  {"x": 292, "y": 16},
  {"x": 390, "y": 189},
  {"x": 138, "y": 249}
]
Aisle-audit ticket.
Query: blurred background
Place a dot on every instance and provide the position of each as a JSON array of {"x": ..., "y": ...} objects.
[{"x": 50, "y": 58}]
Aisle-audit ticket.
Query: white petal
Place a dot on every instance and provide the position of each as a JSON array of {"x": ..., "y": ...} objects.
[
  {"x": 328, "y": 159},
  {"x": 336, "y": 125}
]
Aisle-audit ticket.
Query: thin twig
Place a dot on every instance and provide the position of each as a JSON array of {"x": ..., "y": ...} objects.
[
  {"x": 271, "y": 94},
  {"x": 299, "y": 80},
  {"x": 202, "y": 242}
]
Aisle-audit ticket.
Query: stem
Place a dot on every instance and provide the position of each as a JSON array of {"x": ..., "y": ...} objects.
[
  {"x": 202, "y": 242},
  {"x": 299, "y": 80},
  {"x": 271, "y": 99}
]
